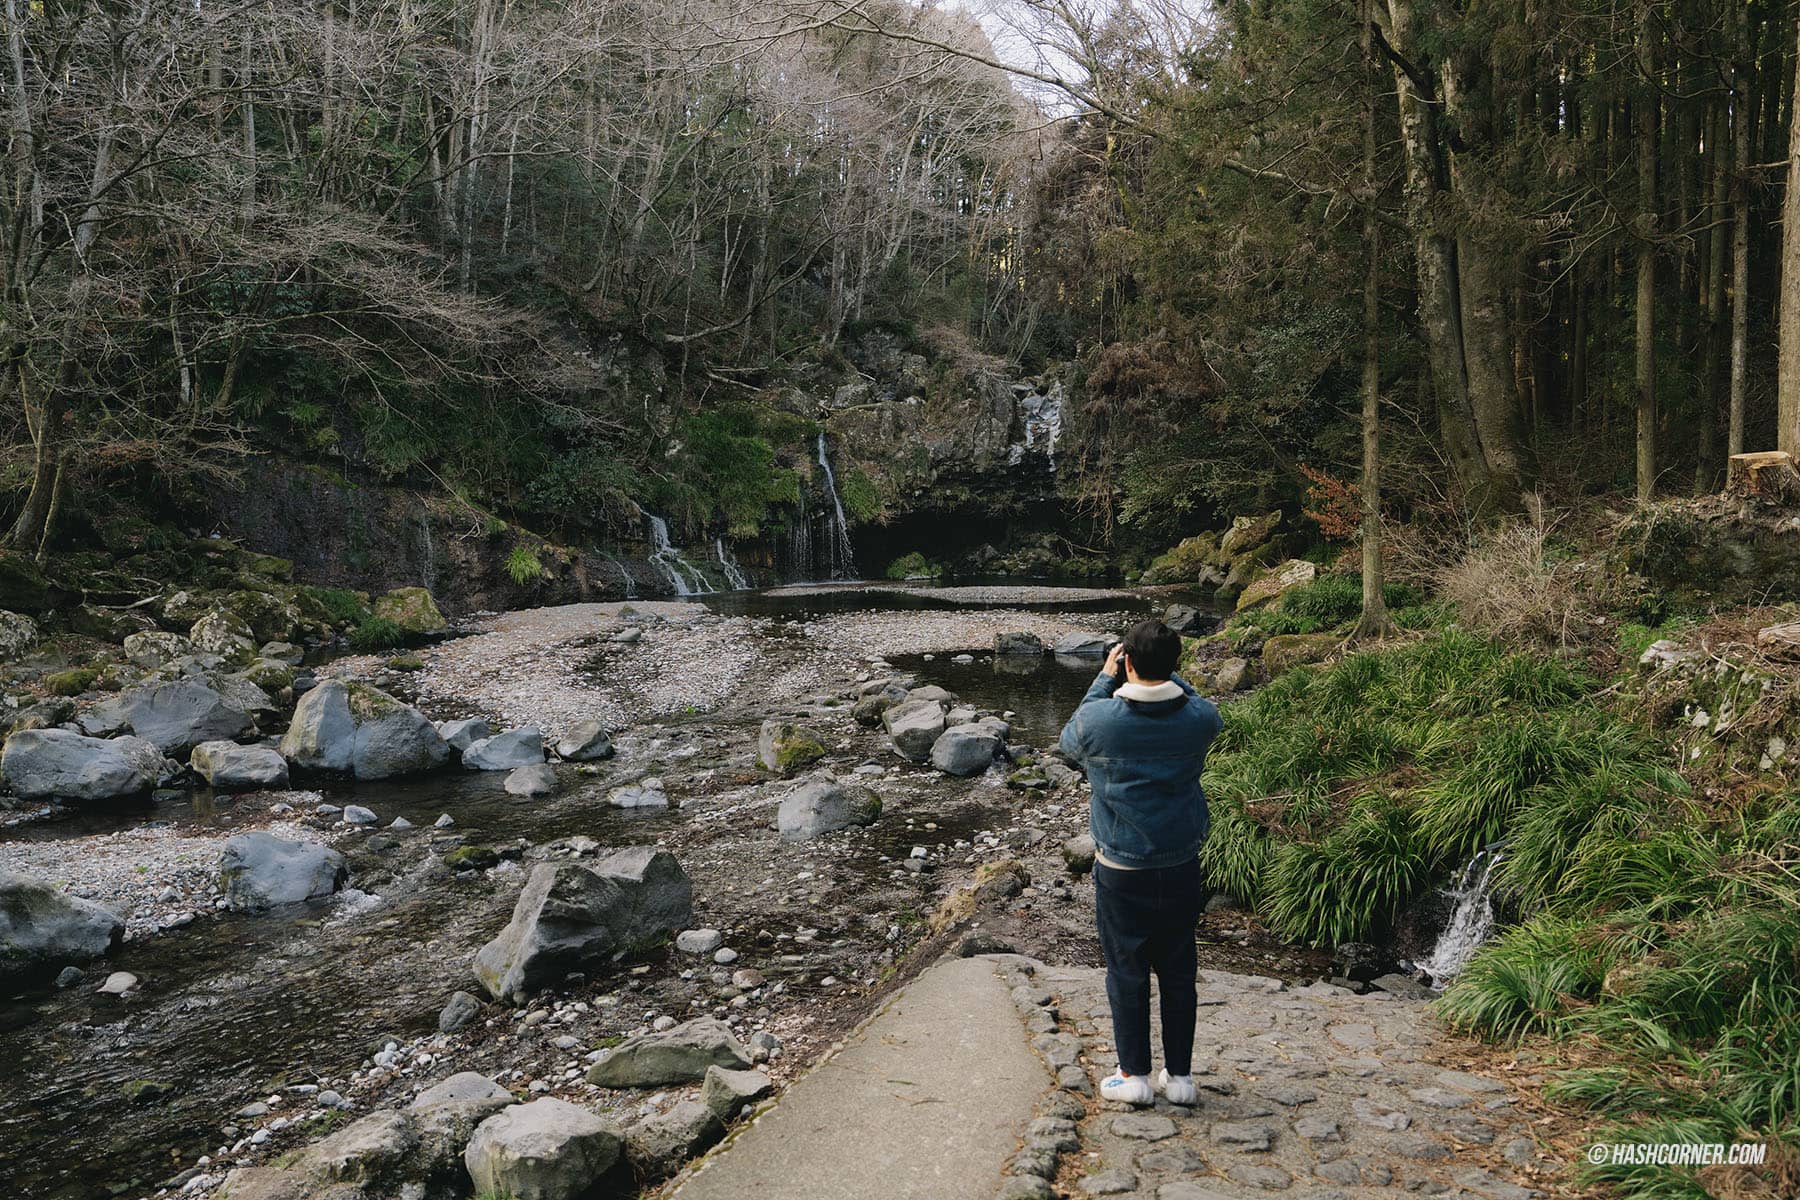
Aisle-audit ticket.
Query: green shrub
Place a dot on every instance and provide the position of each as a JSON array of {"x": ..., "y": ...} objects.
[
  {"x": 523, "y": 565},
  {"x": 376, "y": 633},
  {"x": 914, "y": 564},
  {"x": 345, "y": 606}
]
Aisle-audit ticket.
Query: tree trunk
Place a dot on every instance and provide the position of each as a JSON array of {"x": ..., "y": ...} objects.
[
  {"x": 1374, "y": 622},
  {"x": 1787, "y": 416},
  {"x": 1646, "y": 260},
  {"x": 1740, "y": 237}
]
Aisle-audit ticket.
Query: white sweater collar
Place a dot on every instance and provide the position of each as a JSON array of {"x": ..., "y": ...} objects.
[{"x": 1168, "y": 689}]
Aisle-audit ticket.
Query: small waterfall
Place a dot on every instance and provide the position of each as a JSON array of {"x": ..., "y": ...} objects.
[
  {"x": 800, "y": 547},
  {"x": 682, "y": 575},
  {"x": 840, "y": 561},
  {"x": 1471, "y": 920},
  {"x": 630, "y": 584},
  {"x": 427, "y": 556},
  {"x": 734, "y": 574}
]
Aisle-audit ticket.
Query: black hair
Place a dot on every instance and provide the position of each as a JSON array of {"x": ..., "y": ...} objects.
[{"x": 1154, "y": 649}]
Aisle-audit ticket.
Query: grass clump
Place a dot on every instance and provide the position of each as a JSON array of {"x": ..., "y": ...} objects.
[
  {"x": 376, "y": 633},
  {"x": 523, "y": 565},
  {"x": 914, "y": 565},
  {"x": 345, "y": 608}
]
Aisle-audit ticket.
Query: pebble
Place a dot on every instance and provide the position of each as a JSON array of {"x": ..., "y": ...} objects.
[
  {"x": 726, "y": 956},
  {"x": 356, "y": 814},
  {"x": 699, "y": 941},
  {"x": 117, "y": 984}
]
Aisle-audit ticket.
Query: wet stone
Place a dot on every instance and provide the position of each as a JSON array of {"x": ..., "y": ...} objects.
[{"x": 1143, "y": 1126}]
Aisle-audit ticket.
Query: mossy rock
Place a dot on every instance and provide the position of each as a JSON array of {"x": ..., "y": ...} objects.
[
  {"x": 331, "y": 608},
  {"x": 269, "y": 674},
  {"x": 271, "y": 618},
  {"x": 146, "y": 1091},
  {"x": 785, "y": 747},
  {"x": 1276, "y": 582},
  {"x": 72, "y": 682},
  {"x": 1247, "y": 533},
  {"x": 270, "y": 566},
  {"x": 23, "y": 587},
  {"x": 1288, "y": 650},
  {"x": 368, "y": 703},
  {"x": 405, "y": 662},
  {"x": 411, "y": 609},
  {"x": 1183, "y": 562},
  {"x": 471, "y": 858}
]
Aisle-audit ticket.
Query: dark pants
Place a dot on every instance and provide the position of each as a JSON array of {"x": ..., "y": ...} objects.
[{"x": 1146, "y": 921}]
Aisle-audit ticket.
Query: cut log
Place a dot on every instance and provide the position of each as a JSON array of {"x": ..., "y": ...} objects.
[{"x": 1765, "y": 475}]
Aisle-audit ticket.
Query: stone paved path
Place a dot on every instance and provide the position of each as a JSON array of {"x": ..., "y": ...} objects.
[{"x": 1313, "y": 1092}]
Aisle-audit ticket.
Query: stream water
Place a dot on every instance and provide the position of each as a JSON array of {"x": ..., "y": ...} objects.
[{"x": 234, "y": 1006}]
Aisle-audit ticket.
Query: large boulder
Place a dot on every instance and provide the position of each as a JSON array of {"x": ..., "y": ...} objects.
[
  {"x": 43, "y": 930},
  {"x": 23, "y": 587},
  {"x": 678, "y": 1055},
  {"x": 372, "y": 1150},
  {"x": 785, "y": 747},
  {"x": 1247, "y": 533},
  {"x": 504, "y": 751},
  {"x": 1185, "y": 562},
  {"x": 464, "y": 732},
  {"x": 259, "y": 870},
  {"x": 727, "y": 1092},
  {"x": 230, "y": 767},
  {"x": 153, "y": 648},
  {"x": 18, "y": 633},
  {"x": 546, "y": 1150},
  {"x": 914, "y": 727},
  {"x": 322, "y": 735},
  {"x": 43, "y": 764},
  {"x": 824, "y": 805},
  {"x": 572, "y": 918},
  {"x": 1083, "y": 645},
  {"x": 413, "y": 610},
  {"x": 965, "y": 749},
  {"x": 269, "y": 617},
  {"x": 391, "y": 738},
  {"x": 363, "y": 730},
  {"x": 225, "y": 634},
  {"x": 1276, "y": 582},
  {"x": 586, "y": 741},
  {"x": 1019, "y": 644},
  {"x": 179, "y": 715}
]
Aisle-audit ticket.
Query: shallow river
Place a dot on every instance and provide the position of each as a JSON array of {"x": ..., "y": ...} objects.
[{"x": 232, "y": 1006}]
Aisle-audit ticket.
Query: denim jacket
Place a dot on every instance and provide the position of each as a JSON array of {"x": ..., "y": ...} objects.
[{"x": 1143, "y": 761}]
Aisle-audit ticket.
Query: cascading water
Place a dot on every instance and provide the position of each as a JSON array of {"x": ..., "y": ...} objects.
[
  {"x": 1471, "y": 919},
  {"x": 800, "y": 547},
  {"x": 625, "y": 576},
  {"x": 840, "y": 561},
  {"x": 682, "y": 575},
  {"x": 734, "y": 574}
]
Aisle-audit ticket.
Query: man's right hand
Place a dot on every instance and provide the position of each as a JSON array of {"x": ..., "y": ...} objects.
[{"x": 1113, "y": 658}]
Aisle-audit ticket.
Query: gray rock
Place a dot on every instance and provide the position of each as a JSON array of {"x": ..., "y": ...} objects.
[
  {"x": 1078, "y": 854},
  {"x": 546, "y": 1150},
  {"x": 822, "y": 805},
  {"x": 230, "y": 767},
  {"x": 699, "y": 941},
  {"x": 1146, "y": 1127},
  {"x": 786, "y": 747},
  {"x": 461, "y": 733},
  {"x": 727, "y": 1092},
  {"x": 154, "y": 648},
  {"x": 259, "y": 870},
  {"x": 1083, "y": 645},
  {"x": 914, "y": 727},
  {"x": 538, "y": 779},
  {"x": 117, "y": 984},
  {"x": 322, "y": 735},
  {"x": 504, "y": 751},
  {"x": 391, "y": 738},
  {"x": 1437, "y": 1097},
  {"x": 461, "y": 1009},
  {"x": 462, "y": 1088},
  {"x": 1024, "y": 1187},
  {"x": 282, "y": 652},
  {"x": 41, "y": 764},
  {"x": 178, "y": 716},
  {"x": 1379, "y": 1116},
  {"x": 1188, "y": 620},
  {"x": 368, "y": 1151},
  {"x": 571, "y": 917},
  {"x": 1404, "y": 987},
  {"x": 587, "y": 741},
  {"x": 965, "y": 749},
  {"x": 43, "y": 929},
  {"x": 68, "y": 977},
  {"x": 1244, "y": 1135},
  {"x": 1317, "y": 1129},
  {"x": 678, "y": 1055},
  {"x": 225, "y": 634},
  {"x": 1231, "y": 675},
  {"x": 1018, "y": 644},
  {"x": 1267, "y": 1176},
  {"x": 1115, "y": 1181},
  {"x": 356, "y": 814},
  {"x": 646, "y": 793},
  {"x": 18, "y": 633},
  {"x": 660, "y": 1143}
]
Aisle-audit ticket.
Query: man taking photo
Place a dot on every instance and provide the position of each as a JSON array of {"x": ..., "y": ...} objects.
[{"x": 1142, "y": 733}]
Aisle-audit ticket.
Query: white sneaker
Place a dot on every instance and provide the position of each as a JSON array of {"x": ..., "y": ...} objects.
[
  {"x": 1127, "y": 1089},
  {"x": 1178, "y": 1089}
]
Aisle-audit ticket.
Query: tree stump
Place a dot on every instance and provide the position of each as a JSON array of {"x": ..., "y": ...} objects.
[
  {"x": 1780, "y": 641},
  {"x": 1765, "y": 475}
]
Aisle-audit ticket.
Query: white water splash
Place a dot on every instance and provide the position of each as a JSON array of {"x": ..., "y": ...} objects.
[
  {"x": 734, "y": 574},
  {"x": 840, "y": 562},
  {"x": 1471, "y": 919},
  {"x": 683, "y": 576}
]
